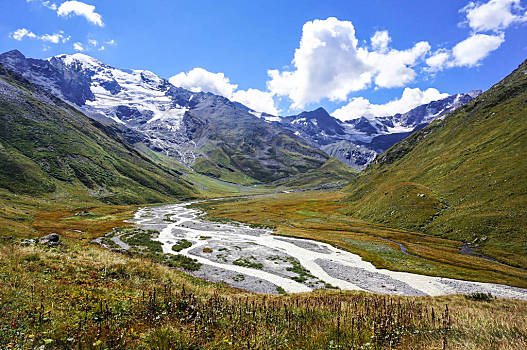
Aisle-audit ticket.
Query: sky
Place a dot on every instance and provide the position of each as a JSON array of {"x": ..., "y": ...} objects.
[{"x": 354, "y": 58}]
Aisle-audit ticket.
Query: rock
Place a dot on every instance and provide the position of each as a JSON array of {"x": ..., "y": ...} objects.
[
  {"x": 51, "y": 240},
  {"x": 28, "y": 241},
  {"x": 121, "y": 250}
]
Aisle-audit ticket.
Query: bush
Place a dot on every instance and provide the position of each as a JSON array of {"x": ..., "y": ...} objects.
[{"x": 480, "y": 296}]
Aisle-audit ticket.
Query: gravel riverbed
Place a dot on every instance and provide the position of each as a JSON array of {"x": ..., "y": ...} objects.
[{"x": 254, "y": 259}]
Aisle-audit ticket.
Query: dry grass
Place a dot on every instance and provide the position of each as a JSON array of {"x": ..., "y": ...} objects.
[{"x": 83, "y": 296}]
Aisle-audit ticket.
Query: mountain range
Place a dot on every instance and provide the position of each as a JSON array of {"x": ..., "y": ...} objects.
[
  {"x": 212, "y": 135},
  {"x": 207, "y": 132},
  {"x": 50, "y": 149},
  {"x": 358, "y": 141}
]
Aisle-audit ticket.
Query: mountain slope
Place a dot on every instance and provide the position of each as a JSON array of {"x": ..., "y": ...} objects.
[
  {"x": 209, "y": 133},
  {"x": 49, "y": 148},
  {"x": 462, "y": 177},
  {"x": 358, "y": 141}
]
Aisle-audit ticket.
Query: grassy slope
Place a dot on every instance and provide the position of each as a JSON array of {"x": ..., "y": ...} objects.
[
  {"x": 333, "y": 171},
  {"x": 461, "y": 178},
  {"x": 49, "y": 148},
  {"x": 239, "y": 147}
]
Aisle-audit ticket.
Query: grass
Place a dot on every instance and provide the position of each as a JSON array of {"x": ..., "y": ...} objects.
[
  {"x": 181, "y": 244},
  {"x": 322, "y": 216},
  {"x": 84, "y": 296},
  {"x": 81, "y": 295},
  {"x": 248, "y": 262}
]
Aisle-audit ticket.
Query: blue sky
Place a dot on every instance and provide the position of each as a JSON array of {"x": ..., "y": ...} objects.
[{"x": 422, "y": 50}]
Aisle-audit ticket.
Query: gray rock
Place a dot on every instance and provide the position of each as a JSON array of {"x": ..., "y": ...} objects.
[{"x": 51, "y": 240}]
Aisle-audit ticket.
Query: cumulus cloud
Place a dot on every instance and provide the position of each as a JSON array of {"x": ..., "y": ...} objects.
[
  {"x": 257, "y": 100},
  {"x": 411, "y": 98},
  {"x": 54, "y": 38},
  {"x": 199, "y": 79},
  {"x": 329, "y": 63},
  {"x": 475, "y": 48},
  {"x": 21, "y": 33},
  {"x": 495, "y": 15},
  {"x": 80, "y": 9},
  {"x": 380, "y": 41},
  {"x": 50, "y": 5},
  {"x": 396, "y": 68},
  {"x": 438, "y": 60},
  {"x": 78, "y": 46}
]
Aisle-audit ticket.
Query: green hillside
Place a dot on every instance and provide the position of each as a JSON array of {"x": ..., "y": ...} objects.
[
  {"x": 332, "y": 173},
  {"x": 463, "y": 177},
  {"x": 48, "y": 148}
]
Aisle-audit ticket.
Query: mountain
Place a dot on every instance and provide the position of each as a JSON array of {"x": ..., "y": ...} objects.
[
  {"x": 205, "y": 132},
  {"x": 48, "y": 148},
  {"x": 461, "y": 177},
  {"x": 357, "y": 142}
]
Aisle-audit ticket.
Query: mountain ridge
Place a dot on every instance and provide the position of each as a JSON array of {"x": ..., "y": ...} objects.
[{"x": 358, "y": 141}]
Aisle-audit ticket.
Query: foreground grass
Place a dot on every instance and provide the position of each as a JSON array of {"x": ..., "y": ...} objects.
[
  {"x": 81, "y": 296},
  {"x": 321, "y": 216}
]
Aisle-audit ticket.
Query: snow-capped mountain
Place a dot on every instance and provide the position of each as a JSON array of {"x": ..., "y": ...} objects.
[
  {"x": 358, "y": 141},
  {"x": 192, "y": 127},
  {"x": 201, "y": 130}
]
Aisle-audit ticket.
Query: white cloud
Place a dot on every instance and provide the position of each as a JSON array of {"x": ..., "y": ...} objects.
[
  {"x": 257, "y": 100},
  {"x": 495, "y": 15},
  {"x": 92, "y": 42},
  {"x": 411, "y": 98},
  {"x": 330, "y": 64},
  {"x": 19, "y": 34},
  {"x": 438, "y": 60},
  {"x": 395, "y": 68},
  {"x": 380, "y": 41},
  {"x": 199, "y": 79},
  {"x": 475, "y": 48},
  {"x": 54, "y": 38},
  {"x": 102, "y": 48},
  {"x": 78, "y": 47},
  {"x": 110, "y": 42},
  {"x": 80, "y": 9},
  {"x": 50, "y": 5}
]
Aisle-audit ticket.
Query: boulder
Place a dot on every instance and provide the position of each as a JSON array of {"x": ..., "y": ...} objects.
[{"x": 51, "y": 240}]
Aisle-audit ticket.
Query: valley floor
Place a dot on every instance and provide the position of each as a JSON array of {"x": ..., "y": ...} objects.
[{"x": 254, "y": 259}]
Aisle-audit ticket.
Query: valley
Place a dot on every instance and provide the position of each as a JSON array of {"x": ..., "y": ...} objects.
[
  {"x": 184, "y": 213},
  {"x": 254, "y": 259}
]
